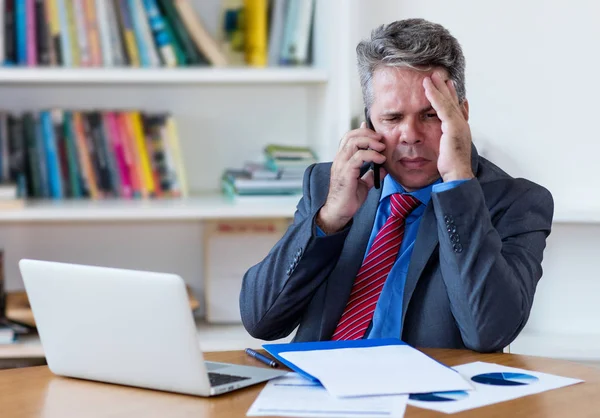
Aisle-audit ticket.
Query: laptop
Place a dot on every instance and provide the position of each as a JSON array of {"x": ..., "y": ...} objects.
[{"x": 126, "y": 327}]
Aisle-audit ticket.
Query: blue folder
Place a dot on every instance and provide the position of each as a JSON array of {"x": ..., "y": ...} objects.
[{"x": 276, "y": 349}]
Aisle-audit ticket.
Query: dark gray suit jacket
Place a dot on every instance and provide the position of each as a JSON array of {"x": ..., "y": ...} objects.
[{"x": 471, "y": 280}]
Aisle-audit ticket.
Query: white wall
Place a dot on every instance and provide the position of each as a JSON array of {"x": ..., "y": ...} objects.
[{"x": 533, "y": 96}]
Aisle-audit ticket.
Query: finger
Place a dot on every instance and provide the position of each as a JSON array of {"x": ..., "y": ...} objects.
[
  {"x": 452, "y": 89},
  {"x": 355, "y": 144},
  {"x": 369, "y": 176},
  {"x": 363, "y": 131},
  {"x": 440, "y": 83},
  {"x": 363, "y": 125},
  {"x": 362, "y": 156},
  {"x": 382, "y": 172},
  {"x": 441, "y": 104}
]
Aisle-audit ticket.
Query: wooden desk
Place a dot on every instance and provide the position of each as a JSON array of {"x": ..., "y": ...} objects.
[{"x": 36, "y": 392}]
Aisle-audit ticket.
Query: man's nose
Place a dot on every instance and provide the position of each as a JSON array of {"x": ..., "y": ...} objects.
[{"x": 410, "y": 132}]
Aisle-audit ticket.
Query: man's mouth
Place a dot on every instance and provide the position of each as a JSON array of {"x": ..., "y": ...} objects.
[{"x": 417, "y": 162}]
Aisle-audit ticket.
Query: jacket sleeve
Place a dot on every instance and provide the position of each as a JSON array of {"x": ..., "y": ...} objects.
[
  {"x": 276, "y": 291},
  {"x": 491, "y": 267}
]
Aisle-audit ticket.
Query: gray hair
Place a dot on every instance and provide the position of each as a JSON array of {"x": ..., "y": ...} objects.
[{"x": 414, "y": 43}]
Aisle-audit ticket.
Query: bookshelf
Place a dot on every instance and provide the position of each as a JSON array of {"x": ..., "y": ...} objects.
[{"x": 225, "y": 116}]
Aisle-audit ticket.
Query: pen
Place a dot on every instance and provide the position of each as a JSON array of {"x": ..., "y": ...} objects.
[{"x": 261, "y": 358}]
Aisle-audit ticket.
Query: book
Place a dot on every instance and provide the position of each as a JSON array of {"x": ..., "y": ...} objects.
[
  {"x": 256, "y": 32},
  {"x": 287, "y": 152},
  {"x": 199, "y": 35}
]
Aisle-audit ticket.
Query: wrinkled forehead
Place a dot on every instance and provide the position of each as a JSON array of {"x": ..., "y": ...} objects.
[{"x": 400, "y": 89}]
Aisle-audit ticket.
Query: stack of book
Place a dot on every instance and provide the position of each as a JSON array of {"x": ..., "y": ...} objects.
[
  {"x": 98, "y": 154},
  {"x": 280, "y": 174}
]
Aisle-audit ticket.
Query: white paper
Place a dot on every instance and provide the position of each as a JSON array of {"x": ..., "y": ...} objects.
[
  {"x": 381, "y": 370},
  {"x": 484, "y": 394},
  {"x": 294, "y": 396}
]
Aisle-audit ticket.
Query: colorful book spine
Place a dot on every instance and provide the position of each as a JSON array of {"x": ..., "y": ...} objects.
[
  {"x": 43, "y": 41},
  {"x": 55, "y": 32},
  {"x": 127, "y": 141},
  {"x": 104, "y": 32},
  {"x": 131, "y": 45},
  {"x": 31, "y": 33},
  {"x": 256, "y": 32},
  {"x": 136, "y": 23},
  {"x": 91, "y": 22},
  {"x": 4, "y": 160},
  {"x": 30, "y": 140},
  {"x": 62, "y": 151},
  {"x": 147, "y": 34},
  {"x": 119, "y": 153},
  {"x": 77, "y": 188},
  {"x": 147, "y": 178},
  {"x": 21, "y": 31},
  {"x": 52, "y": 158},
  {"x": 192, "y": 55},
  {"x": 175, "y": 147},
  {"x": 10, "y": 39},
  {"x": 42, "y": 159},
  {"x": 84, "y": 156},
  {"x": 162, "y": 38},
  {"x": 83, "y": 42},
  {"x": 71, "y": 28}
]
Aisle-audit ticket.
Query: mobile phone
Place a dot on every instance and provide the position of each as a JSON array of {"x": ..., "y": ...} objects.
[{"x": 373, "y": 166}]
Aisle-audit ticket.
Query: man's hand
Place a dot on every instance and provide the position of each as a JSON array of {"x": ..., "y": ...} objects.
[
  {"x": 347, "y": 191},
  {"x": 454, "y": 161}
]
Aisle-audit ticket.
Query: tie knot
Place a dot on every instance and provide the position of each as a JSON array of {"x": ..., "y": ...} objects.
[{"x": 403, "y": 204}]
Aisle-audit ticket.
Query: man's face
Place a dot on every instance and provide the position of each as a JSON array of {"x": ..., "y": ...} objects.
[{"x": 409, "y": 125}]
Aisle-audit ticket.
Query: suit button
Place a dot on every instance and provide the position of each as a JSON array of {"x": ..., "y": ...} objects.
[
  {"x": 299, "y": 252},
  {"x": 288, "y": 271},
  {"x": 295, "y": 259},
  {"x": 451, "y": 228},
  {"x": 457, "y": 248},
  {"x": 455, "y": 238}
]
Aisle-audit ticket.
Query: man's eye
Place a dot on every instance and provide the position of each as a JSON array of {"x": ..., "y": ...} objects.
[{"x": 431, "y": 115}]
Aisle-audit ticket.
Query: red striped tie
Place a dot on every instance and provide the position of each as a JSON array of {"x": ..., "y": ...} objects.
[{"x": 374, "y": 271}]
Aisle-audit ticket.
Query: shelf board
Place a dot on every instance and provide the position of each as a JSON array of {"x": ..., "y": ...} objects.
[
  {"x": 197, "y": 208},
  {"x": 577, "y": 347},
  {"x": 577, "y": 216},
  {"x": 208, "y": 75}
]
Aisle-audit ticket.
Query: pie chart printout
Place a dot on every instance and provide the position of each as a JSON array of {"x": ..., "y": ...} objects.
[{"x": 505, "y": 379}]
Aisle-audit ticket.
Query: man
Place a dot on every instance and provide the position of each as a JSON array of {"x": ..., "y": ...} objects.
[{"x": 447, "y": 253}]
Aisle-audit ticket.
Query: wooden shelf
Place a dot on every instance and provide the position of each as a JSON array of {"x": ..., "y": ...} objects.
[
  {"x": 209, "y": 75},
  {"x": 213, "y": 206}
]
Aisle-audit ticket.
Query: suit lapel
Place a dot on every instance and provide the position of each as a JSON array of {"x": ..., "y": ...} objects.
[
  {"x": 426, "y": 242},
  {"x": 341, "y": 279}
]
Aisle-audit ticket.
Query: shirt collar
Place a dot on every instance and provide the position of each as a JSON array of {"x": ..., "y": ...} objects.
[{"x": 391, "y": 186}]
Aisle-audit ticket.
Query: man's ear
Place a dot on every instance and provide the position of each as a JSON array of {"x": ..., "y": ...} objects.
[{"x": 464, "y": 107}]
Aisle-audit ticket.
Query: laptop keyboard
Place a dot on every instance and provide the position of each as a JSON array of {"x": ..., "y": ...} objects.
[{"x": 217, "y": 379}]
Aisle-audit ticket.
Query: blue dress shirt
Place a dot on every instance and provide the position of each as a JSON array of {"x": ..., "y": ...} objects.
[{"x": 387, "y": 319}]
